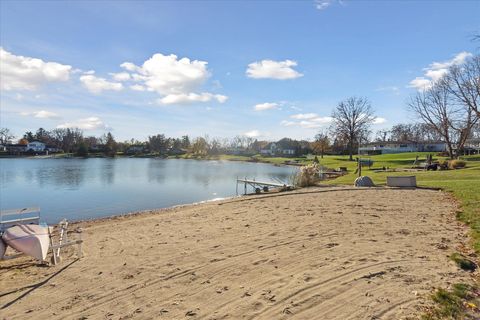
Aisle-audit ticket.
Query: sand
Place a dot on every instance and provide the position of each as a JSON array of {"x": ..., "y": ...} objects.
[{"x": 321, "y": 253}]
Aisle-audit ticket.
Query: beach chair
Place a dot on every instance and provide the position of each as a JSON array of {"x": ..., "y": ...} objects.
[{"x": 31, "y": 216}]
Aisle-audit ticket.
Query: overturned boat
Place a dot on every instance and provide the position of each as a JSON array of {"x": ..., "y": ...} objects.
[{"x": 30, "y": 239}]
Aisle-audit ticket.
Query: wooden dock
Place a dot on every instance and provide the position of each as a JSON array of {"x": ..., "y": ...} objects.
[{"x": 260, "y": 186}]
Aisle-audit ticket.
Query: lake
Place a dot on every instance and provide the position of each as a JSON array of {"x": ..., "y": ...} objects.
[{"x": 79, "y": 189}]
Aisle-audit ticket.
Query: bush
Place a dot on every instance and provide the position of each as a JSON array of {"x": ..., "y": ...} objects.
[
  {"x": 443, "y": 164},
  {"x": 307, "y": 175},
  {"x": 456, "y": 164}
]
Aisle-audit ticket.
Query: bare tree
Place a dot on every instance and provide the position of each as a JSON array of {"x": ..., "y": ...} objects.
[
  {"x": 437, "y": 109},
  {"x": 6, "y": 136},
  {"x": 321, "y": 143},
  {"x": 463, "y": 83},
  {"x": 382, "y": 135},
  {"x": 351, "y": 121}
]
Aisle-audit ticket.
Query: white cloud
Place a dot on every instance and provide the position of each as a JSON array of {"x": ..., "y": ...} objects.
[
  {"x": 121, "y": 76},
  {"x": 307, "y": 120},
  {"x": 301, "y": 116},
  {"x": 437, "y": 70},
  {"x": 421, "y": 83},
  {"x": 176, "y": 80},
  {"x": 42, "y": 114},
  {"x": 265, "y": 106},
  {"x": 322, "y": 4},
  {"x": 252, "y": 134},
  {"x": 129, "y": 66},
  {"x": 91, "y": 123},
  {"x": 96, "y": 85},
  {"x": 379, "y": 120},
  {"x": 186, "y": 98},
  {"x": 26, "y": 73},
  {"x": 269, "y": 69},
  {"x": 170, "y": 75},
  {"x": 138, "y": 87}
]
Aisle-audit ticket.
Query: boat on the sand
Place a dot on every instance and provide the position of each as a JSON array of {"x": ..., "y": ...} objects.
[{"x": 30, "y": 239}]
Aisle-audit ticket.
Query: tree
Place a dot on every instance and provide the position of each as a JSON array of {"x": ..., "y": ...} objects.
[
  {"x": 110, "y": 145},
  {"x": 436, "y": 107},
  {"x": 321, "y": 144},
  {"x": 6, "y": 136},
  {"x": 185, "y": 142},
  {"x": 200, "y": 146},
  {"x": 82, "y": 150},
  {"x": 351, "y": 121},
  {"x": 158, "y": 143},
  {"x": 66, "y": 139},
  {"x": 42, "y": 135},
  {"x": 463, "y": 83},
  {"x": 29, "y": 136},
  {"x": 382, "y": 135}
]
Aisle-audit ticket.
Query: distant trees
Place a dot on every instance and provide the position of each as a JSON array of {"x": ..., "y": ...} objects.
[
  {"x": 449, "y": 106},
  {"x": 110, "y": 148},
  {"x": 351, "y": 121},
  {"x": 200, "y": 147},
  {"x": 321, "y": 144},
  {"x": 158, "y": 143},
  {"x": 6, "y": 136},
  {"x": 415, "y": 132},
  {"x": 452, "y": 123},
  {"x": 29, "y": 136}
]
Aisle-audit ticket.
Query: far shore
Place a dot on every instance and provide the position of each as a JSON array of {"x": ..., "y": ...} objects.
[{"x": 377, "y": 253}]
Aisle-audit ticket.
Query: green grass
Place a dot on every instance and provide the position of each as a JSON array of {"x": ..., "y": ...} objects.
[{"x": 461, "y": 302}]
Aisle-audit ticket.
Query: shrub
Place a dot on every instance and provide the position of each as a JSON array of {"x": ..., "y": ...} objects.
[
  {"x": 443, "y": 164},
  {"x": 456, "y": 164},
  {"x": 307, "y": 175}
]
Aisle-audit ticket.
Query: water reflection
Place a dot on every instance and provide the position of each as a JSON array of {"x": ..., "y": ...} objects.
[{"x": 156, "y": 170}]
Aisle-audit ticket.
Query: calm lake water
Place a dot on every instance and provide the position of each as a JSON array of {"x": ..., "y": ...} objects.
[{"x": 90, "y": 188}]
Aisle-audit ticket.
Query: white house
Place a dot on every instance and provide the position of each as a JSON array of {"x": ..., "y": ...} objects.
[
  {"x": 36, "y": 146},
  {"x": 384, "y": 147}
]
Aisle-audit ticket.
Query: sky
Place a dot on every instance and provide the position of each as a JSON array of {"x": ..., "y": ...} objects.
[{"x": 263, "y": 69}]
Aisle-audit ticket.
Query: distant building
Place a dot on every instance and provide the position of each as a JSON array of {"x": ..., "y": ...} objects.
[
  {"x": 286, "y": 148},
  {"x": 385, "y": 147},
  {"x": 136, "y": 148},
  {"x": 35, "y": 146},
  {"x": 472, "y": 146},
  {"x": 16, "y": 148}
]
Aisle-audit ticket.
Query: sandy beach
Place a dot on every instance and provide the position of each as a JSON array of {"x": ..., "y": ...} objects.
[{"x": 317, "y": 253}]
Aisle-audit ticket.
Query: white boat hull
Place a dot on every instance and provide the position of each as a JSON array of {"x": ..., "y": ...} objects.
[{"x": 30, "y": 239}]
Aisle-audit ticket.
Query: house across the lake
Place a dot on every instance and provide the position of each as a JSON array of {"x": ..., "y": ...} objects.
[
  {"x": 384, "y": 147},
  {"x": 286, "y": 148},
  {"x": 35, "y": 146},
  {"x": 472, "y": 146}
]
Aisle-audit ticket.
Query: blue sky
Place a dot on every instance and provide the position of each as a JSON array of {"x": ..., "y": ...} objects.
[{"x": 265, "y": 69}]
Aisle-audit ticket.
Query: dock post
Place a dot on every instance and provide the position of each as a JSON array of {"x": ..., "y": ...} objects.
[
  {"x": 236, "y": 187},
  {"x": 245, "y": 188}
]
